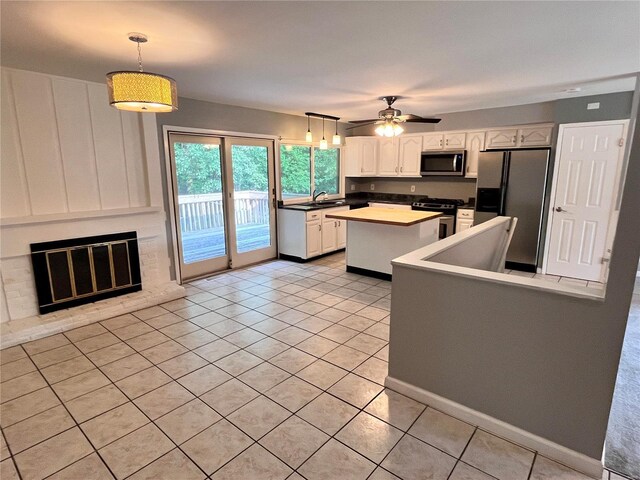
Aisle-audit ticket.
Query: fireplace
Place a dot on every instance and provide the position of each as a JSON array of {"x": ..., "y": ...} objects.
[{"x": 76, "y": 271}]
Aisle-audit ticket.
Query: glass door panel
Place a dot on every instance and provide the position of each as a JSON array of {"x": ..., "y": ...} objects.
[{"x": 199, "y": 204}]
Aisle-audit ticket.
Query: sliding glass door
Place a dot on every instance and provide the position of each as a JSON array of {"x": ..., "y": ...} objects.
[{"x": 223, "y": 194}]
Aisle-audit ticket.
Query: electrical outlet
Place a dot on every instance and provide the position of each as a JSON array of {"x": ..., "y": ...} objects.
[
  {"x": 593, "y": 106},
  {"x": 373, "y": 186},
  {"x": 413, "y": 188},
  {"x": 353, "y": 187}
]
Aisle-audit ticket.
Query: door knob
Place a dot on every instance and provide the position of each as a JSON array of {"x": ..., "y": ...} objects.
[{"x": 560, "y": 209}]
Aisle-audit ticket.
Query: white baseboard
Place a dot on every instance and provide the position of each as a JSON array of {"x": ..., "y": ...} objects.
[{"x": 578, "y": 461}]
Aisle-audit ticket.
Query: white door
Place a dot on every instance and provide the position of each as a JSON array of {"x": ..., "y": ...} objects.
[{"x": 586, "y": 175}]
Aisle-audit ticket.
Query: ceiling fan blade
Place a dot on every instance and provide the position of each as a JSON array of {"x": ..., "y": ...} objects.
[
  {"x": 364, "y": 121},
  {"x": 408, "y": 116},
  {"x": 423, "y": 120},
  {"x": 362, "y": 125}
]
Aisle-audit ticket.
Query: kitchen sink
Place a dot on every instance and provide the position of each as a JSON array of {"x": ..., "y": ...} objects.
[{"x": 324, "y": 203}]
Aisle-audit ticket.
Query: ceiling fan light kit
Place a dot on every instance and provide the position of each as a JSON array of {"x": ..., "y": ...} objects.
[
  {"x": 390, "y": 118},
  {"x": 140, "y": 91},
  {"x": 324, "y": 144}
]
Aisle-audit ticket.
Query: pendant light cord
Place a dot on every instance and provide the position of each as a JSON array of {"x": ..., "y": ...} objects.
[{"x": 139, "y": 56}]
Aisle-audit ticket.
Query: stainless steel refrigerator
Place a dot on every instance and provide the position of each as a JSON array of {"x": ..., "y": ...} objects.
[{"x": 513, "y": 183}]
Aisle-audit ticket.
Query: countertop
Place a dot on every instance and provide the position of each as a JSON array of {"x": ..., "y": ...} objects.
[
  {"x": 386, "y": 216},
  {"x": 342, "y": 202}
]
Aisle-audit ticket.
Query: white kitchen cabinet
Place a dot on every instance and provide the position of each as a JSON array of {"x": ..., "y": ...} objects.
[
  {"x": 314, "y": 239},
  {"x": 397, "y": 206},
  {"x": 526, "y": 136},
  {"x": 474, "y": 145},
  {"x": 341, "y": 232},
  {"x": 369, "y": 155},
  {"x": 329, "y": 235},
  {"x": 464, "y": 219},
  {"x": 409, "y": 150},
  {"x": 388, "y": 157},
  {"x": 432, "y": 141},
  {"x": 454, "y": 141},
  {"x": 501, "y": 138},
  {"x": 360, "y": 156},
  {"x": 535, "y": 136}
]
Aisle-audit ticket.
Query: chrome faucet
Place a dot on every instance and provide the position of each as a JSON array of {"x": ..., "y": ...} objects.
[{"x": 316, "y": 195}]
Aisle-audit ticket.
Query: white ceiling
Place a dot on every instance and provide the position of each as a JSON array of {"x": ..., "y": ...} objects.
[{"x": 337, "y": 57}]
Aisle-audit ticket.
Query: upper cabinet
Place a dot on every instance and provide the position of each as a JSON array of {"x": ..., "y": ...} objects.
[
  {"x": 502, "y": 138},
  {"x": 454, "y": 141},
  {"x": 388, "y": 157},
  {"x": 409, "y": 151},
  {"x": 432, "y": 141},
  {"x": 530, "y": 136},
  {"x": 360, "y": 156},
  {"x": 474, "y": 145},
  {"x": 535, "y": 136}
]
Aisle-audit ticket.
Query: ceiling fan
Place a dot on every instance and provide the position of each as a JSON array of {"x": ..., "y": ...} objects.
[{"x": 390, "y": 118}]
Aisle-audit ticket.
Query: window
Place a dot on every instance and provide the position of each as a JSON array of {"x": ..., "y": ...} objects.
[{"x": 304, "y": 169}]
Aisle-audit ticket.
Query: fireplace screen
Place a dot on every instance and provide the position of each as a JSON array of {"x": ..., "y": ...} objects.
[{"x": 82, "y": 270}]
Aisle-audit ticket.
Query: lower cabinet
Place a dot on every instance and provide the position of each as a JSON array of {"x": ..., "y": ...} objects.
[
  {"x": 309, "y": 234},
  {"x": 464, "y": 219}
]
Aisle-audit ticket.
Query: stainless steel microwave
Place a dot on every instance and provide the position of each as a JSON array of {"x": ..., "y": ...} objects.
[{"x": 448, "y": 162}]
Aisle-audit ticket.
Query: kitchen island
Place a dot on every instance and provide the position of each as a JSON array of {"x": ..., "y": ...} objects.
[{"x": 375, "y": 236}]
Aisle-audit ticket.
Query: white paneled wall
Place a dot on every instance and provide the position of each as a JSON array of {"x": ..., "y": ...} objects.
[{"x": 65, "y": 149}]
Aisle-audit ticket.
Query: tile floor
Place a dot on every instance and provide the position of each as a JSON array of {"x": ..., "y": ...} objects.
[{"x": 271, "y": 372}]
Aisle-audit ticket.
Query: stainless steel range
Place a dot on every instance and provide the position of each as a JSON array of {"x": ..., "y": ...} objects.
[{"x": 447, "y": 206}]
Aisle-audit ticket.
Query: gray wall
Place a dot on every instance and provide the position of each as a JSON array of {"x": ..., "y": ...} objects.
[{"x": 543, "y": 362}]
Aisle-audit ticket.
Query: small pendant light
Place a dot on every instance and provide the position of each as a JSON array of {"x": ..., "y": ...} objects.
[
  {"x": 141, "y": 91},
  {"x": 308, "y": 137},
  {"x": 336, "y": 138},
  {"x": 323, "y": 142}
]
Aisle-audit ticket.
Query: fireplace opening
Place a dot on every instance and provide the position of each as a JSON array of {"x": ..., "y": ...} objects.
[{"x": 76, "y": 271}]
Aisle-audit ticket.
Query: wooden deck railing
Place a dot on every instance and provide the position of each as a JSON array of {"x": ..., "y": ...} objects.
[{"x": 201, "y": 212}]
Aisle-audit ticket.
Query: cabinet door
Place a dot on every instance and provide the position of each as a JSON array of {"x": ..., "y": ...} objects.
[
  {"x": 351, "y": 158},
  {"x": 368, "y": 155},
  {"x": 501, "y": 138},
  {"x": 433, "y": 141},
  {"x": 388, "y": 157},
  {"x": 475, "y": 144},
  {"x": 534, "y": 137},
  {"x": 462, "y": 225},
  {"x": 454, "y": 141},
  {"x": 341, "y": 234},
  {"x": 409, "y": 156},
  {"x": 329, "y": 236},
  {"x": 314, "y": 239}
]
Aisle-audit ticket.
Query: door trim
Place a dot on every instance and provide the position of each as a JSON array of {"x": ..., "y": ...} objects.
[
  {"x": 168, "y": 194},
  {"x": 613, "y": 212}
]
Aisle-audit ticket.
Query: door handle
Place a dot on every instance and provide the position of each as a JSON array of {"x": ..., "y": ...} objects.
[{"x": 560, "y": 209}]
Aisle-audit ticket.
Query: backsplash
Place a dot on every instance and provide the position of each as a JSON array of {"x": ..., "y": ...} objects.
[{"x": 463, "y": 188}]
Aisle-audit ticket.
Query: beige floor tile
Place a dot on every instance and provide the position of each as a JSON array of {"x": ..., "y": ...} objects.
[
  {"x": 314, "y": 324},
  {"x": 396, "y": 409},
  {"x": 8, "y": 470},
  {"x": 22, "y": 385},
  {"x": 44, "y": 344},
  {"x": 251, "y": 318},
  {"x": 110, "y": 354},
  {"x": 178, "y": 329},
  {"x": 311, "y": 307},
  {"x": 113, "y": 424},
  {"x": 381, "y": 474},
  {"x": 196, "y": 339},
  {"x": 147, "y": 340},
  {"x": 96, "y": 343},
  {"x": 216, "y": 350},
  {"x": 370, "y": 436},
  {"x": 53, "y": 454},
  {"x": 135, "y": 450},
  {"x": 322, "y": 374},
  {"x": 267, "y": 348},
  {"x": 163, "y": 351},
  {"x": 383, "y": 354},
  {"x": 498, "y": 457},
  {"x": 292, "y": 316},
  {"x": 467, "y": 472},
  {"x": 90, "y": 467},
  {"x": 244, "y": 338},
  {"x": 174, "y": 465},
  {"x": 442, "y": 431},
  {"x": 125, "y": 367},
  {"x": 373, "y": 369},
  {"x": 87, "y": 331},
  {"x": 263, "y": 377},
  {"x": 239, "y": 362},
  {"x": 204, "y": 379},
  {"x": 229, "y": 396},
  {"x": 379, "y": 330},
  {"x": 316, "y": 413},
  {"x": 272, "y": 309},
  {"x": 255, "y": 462},
  {"x": 225, "y": 327},
  {"x": 15, "y": 369},
  {"x": 545, "y": 469},
  {"x": 373, "y": 313},
  {"x": 94, "y": 403},
  {"x": 292, "y": 335},
  {"x": 317, "y": 345},
  {"x": 345, "y": 357},
  {"x": 119, "y": 322},
  {"x": 143, "y": 382},
  {"x": 187, "y": 421},
  {"x": 163, "y": 399},
  {"x": 366, "y": 343},
  {"x": 258, "y": 416},
  {"x": 333, "y": 314},
  {"x": 209, "y": 453},
  {"x": 292, "y": 360},
  {"x": 356, "y": 322},
  {"x": 164, "y": 320},
  {"x": 294, "y": 441},
  {"x": 338, "y": 333},
  {"x": 355, "y": 390},
  {"x": 335, "y": 461},
  {"x": 25, "y": 434},
  {"x": 12, "y": 354},
  {"x": 293, "y": 393},
  {"x": 4, "y": 449},
  {"x": 51, "y": 357},
  {"x": 191, "y": 311},
  {"x": 207, "y": 319},
  {"x": 26, "y": 406},
  {"x": 69, "y": 368},
  {"x": 133, "y": 330},
  {"x": 232, "y": 310},
  {"x": 270, "y": 326},
  {"x": 182, "y": 364},
  {"x": 80, "y": 384},
  {"x": 174, "y": 305},
  {"x": 412, "y": 459},
  {"x": 350, "y": 306},
  {"x": 149, "y": 313}
]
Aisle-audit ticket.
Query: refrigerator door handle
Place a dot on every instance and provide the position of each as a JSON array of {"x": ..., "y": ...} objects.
[{"x": 505, "y": 182}]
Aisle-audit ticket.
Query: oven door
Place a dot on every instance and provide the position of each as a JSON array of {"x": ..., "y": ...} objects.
[
  {"x": 447, "y": 223},
  {"x": 450, "y": 163}
]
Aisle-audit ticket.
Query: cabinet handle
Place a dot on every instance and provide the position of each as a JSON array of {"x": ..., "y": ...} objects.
[
  {"x": 521, "y": 138},
  {"x": 396, "y": 169},
  {"x": 447, "y": 142},
  {"x": 400, "y": 169},
  {"x": 515, "y": 137},
  {"x": 335, "y": 224},
  {"x": 319, "y": 227},
  {"x": 440, "y": 142},
  {"x": 339, "y": 222}
]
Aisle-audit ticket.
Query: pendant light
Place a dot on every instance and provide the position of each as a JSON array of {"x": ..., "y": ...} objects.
[
  {"x": 140, "y": 91},
  {"x": 308, "y": 137},
  {"x": 323, "y": 142},
  {"x": 336, "y": 138}
]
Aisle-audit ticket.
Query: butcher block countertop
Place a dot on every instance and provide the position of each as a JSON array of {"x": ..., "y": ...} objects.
[{"x": 386, "y": 216}]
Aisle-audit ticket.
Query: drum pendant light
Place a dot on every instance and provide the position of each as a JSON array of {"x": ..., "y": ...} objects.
[{"x": 140, "y": 91}]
